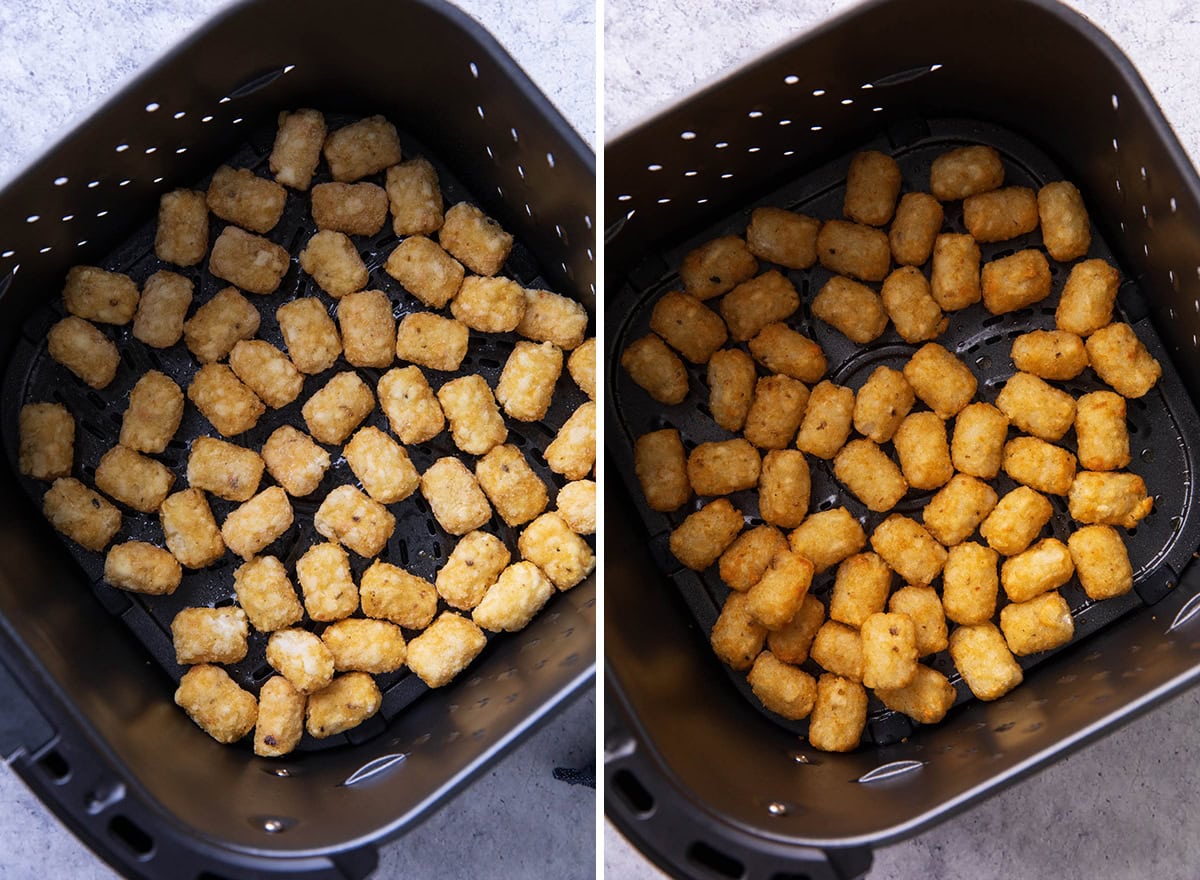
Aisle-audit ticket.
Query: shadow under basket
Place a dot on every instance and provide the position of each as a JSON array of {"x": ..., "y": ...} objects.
[
  {"x": 703, "y": 781},
  {"x": 89, "y": 720}
]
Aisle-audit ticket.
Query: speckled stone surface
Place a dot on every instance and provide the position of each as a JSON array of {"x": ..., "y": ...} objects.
[
  {"x": 57, "y": 60},
  {"x": 1123, "y": 807}
]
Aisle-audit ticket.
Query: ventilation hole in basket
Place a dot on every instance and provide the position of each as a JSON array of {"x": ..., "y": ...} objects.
[
  {"x": 815, "y": 127},
  {"x": 44, "y": 250},
  {"x": 528, "y": 209},
  {"x": 474, "y": 69},
  {"x": 789, "y": 152},
  {"x": 81, "y": 242},
  {"x": 704, "y": 856},
  {"x": 1116, "y": 146},
  {"x": 664, "y": 201},
  {"x": 102, "y": 213},
  {"x": 1146, "y": 249},
  {"x": 180, "y": 114},
  {"x": 8, "y": 254},
  {"x": 1173, "y": 205},
  {"x": 753, "y": 149},
  {"x": 206, "y": 119},
  {"x": 183, "y": 150},
  {"x": 1116, "y": 103},
  {"x": 520, "y": 170},
  {"x": 125, "y": 182},
  {"x": 654, "y": 166},
  {"x": 516, "y": 138},
  {"x": 791, "y": 79},
  {"x": 121, "y": 148},
  {"x": 1118, "y": 182},
  {"x": 55, "y": 765},
  {"x": 755, "y": 114},
  {"x": 158, "y": 180},
  {"x": 727, "y": 175},
  {"x": 687, "y": 135},
  {"x": 132, "y": 835},
  {"x": 61, "y": 181},
  {"x": 624, "y": 197},
  {"x": 701, "y": 201},
  {"x": 92, "y": 184},
  {"x": 720, "y": 145},
  {"x": 550, "y": 159},
  {"x": 67, "y": 218},
  {"x": 151, "y": 150},
  {"x": 846, "y": 102},
  {"x": 152, "y": 106},
  {"x": 818, "y": 93}
]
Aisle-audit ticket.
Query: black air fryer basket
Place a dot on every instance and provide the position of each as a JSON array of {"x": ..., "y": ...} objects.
[
  {"x": 89, "y": 721},
  {"x": 699, "y": 777}
]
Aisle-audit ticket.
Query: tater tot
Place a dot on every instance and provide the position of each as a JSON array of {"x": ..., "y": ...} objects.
[
  {"x": 1122, "y": 361},
  {"x": 758, "y": 302},
  {"x": 872, "y": 186},
  {"x": 954, "y": 513},
  {"x": 1101, "y": 561},
  {"x": 280, "y": 722},
  {"x": 333, "y": 262},
  {"x": 209, "y": 635},
  {"x": 1045, "y": 566},
  {"x": 310, "y": 335},
  {"x": 415, "y": 197},
  {"x": 776, "y": 597},
  {"x": 661, "y": 467},
  {"x": 1035, "y": 407},
  {"x": 1039, "y": 465},
  {"x": 827, "y": 537},
  {"x": 432, "y": 341},
  {"x": 907, "y": 299},
  {"x": 1014, "y": 282},
  {"x": 889, "y": 646},
  {"x": 225, "y": 469},
  {"x": 954, "y": 279},
  {"x": 381, "y": 465},
  {"x": 916, "y": 225},
  {"x": 982, "y": 657},
  {"x": 162, "y": 308},
  {"x": 391, "y": 593},
  {"x": 295, "y": 461},
  {"x": 908, "y": 549},
  {"x": 155, "y": 409},
  {"x": 572, "y": 452},
  {"x": 142, "y": 568},
  {"x": 470, "y": 407},
  {"x": 1050, "y": 354},
  {"x": 776, "y": 412},
  {"x": 1015, "y": 521},
  {"x": 656, "y": 369},
  {"x": 963, "y": 172},
  {"x": 792, "y": 642},
  {"x": 582, "y": 367},
  {"x": 882, "y": 404},
  {"x": 412, "y": 408},
  {"x": 345, "y": 703},
  {"x": 783, "y": 488},
  {"x": 489, "y": 305},
  {"x": 81, "y": 514},
  {"x": 445, "y": 649},
  {"x": 248, "y": 262},
  {"x": 352, "y": 208},
  {"x": 924, "y": 607},
  {"x": 133, "y": 479},
  {"x": 425, "y": 270},
  {"x": 189, "y": 529},
  {"x": 83, "y": 350},
  {"x": 731, "y": 381},
  {"x": 358, "y": 645},
  {"x": 924, "y": 454},
  {"x": 723, "y": 467},
  {"x": 783, "y": 237},
  {"x": 354, "y": 520},
  {"x": 297, "y": 147},
  {"x": 736, "y": 637},
  {"x": 1066, "y": 231},
  {"x": 1041, "y": 624},
  {"x": 325, "y": 580},
  {"x": 99, "y": 296},
  {"x": 458, "y": 503},
  {"x": 1113, "y": 499},
  {"x": 242, "y": 197},
  {"x": 266, "y": 371},
  {"x": 266, "y": 594},
  {"x": 212, "y": 331},
  {"x": 182, "y": 233},
  {"x": 700, "y": 539},
  {"x": 549, "y": 543},
  {"x": 517, "y": 493},
  {"x": 475, "y": 239},
  {"x": 361, "y": 148},
  {"x": 869, "y": 475},
  {"x": 940, "y": 379},
  {"x": 745, "y": 561},
  {"x": 688, "y": 326},
  {"x": 852, "y": 249},
  {"x": 576, "y": 504},
  {"x": 860, "y": 589},
  {"x": 782, "y": 688},
  {"x": 229, "y": 406},
  {"x": 1101, "y": 432},
  {"x": 47, "y": 441},
  {"x": 473, "y": 566},
  {"x": 827, "y": 420},
  {"x": 368, "y": 328},
  {"x": 782, "y": 350},
  {"x": 550, "y": 317},
  {"x": 837, "y": 648},
  {"x": 716, "y": 267},
  {"x": 970, "y": 583},
  {"x": 977, "y": 447},
  {"x": 216, "y": 704},
  {"x": 256, "y": 523},
  {"x": 1001, "y": 214},
  {"x": 838, "y": 716},
  {"x": 1088, "y": 298},
  {"x": 340, "y": 406},
  {"x": 926, "y": 699},
  {"x": 511, "y": 603},
  {"x": 853, "y": 309}
]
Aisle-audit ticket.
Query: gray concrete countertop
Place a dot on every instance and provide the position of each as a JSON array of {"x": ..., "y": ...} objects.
[
  {"x": 1120, "y": 808},
  {"x": 57, "y": 61}
]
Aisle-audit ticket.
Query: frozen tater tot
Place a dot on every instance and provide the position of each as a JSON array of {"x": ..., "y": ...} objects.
[
  {"x": 743, "y": 564},
  {"x": 162, "y": 308},
  {"x": 1112, "y": 499},
  {"x": 716, "y": 267},
  {"x": 758, "y": 302},
  {"x": 549, "y": 543},
  {"x": 1122, "y": 361},
  {"x": 924, "y": 607},
  {"x": 517, "y": 493},
  {"x": 209, "y": 635},
  {"x": 340, "y": 406},
  {"x": 412, "y": 408},
  {"x": 576, "y": 504},
  {"x": 470, "y": 407},
  {"x": 782, "y": 350},
  {"x": 907, "y": 299},
  {"x": 489, "y": 305},
  {"x": 425, "y": 270},
  {"x": 267, "y": 371},
  {"x": 783, "y": 488},
  {"x": 155, "y": 409},
  {"x": 47, "y": 441},
  {"x": 1050, "y": 354},
  {"x": 358, "y": 645},
  {"x": 700, "y": 539},
  {"x": 954, "y": 513},
  {"x": 853, "y": 309},
  {"x": 511, "y": 603},
  {"x": 688, "y": 326},
  {"x": 133, "y": 479},
  {"x": 661, "y": 467},
  {"x": 572, "y": 452},
  {"x": 1035, "y": 407},
  {"x": 657, "y": 370},
  {"x": 182, "y": 233},
  {"x": 1088, "y": 298},
  {"x": 924, "y": 454},
  {"x": 212, "y": 331},
  {"x": 189, "y": 529},
  {"x": 1001, "y": 214},
  {"x": 737, "y": 638},
  {"x": 475, "y": 239},
  {"x": 926, "y": 699},
  {"x": 882, "y": 404},
  {"x": 391, "y": 593},
  {"x": 309, "y": 333},
  {"x": 908, "y": 549},
  {"x": 977, "y": 447},
  {"x": 1014, "y": 282},
  {"x": 869, "y": 475},
  {"x": 782, "y": 688},
  {"x": 1101, "y": 562},
  {"x": 230, "y": 406},
  {"x": 1101, "y": 431},
  {"x": 354, "y": 520},
  {"x": 368, "y": 328},
  {"x": 326, "y": 583},
  {"x": 445, "y": 649},
  {"x": 783, "y": 237},
  {"x": 970, "y": 583},
  {"x": 458, "y": 503},
  {"x": 352, "y": 208},
  {"x": 248, "y": 262},
  {"x": 242, "y": 197},
  {"x": 302, "y": 658},
  {"x": 916, "y": 225},
  {"x": 872, "y": 186},
  {"x": 723, "y": 467},
  {"x": 582, "y": 367},
  {"x": 1016, "y": 520},
  {"x": 942, "y": 381},
  {"x": 792, "y": 642},
  {"x": 297, "y": 148},
  {"x": 827, "y": 537},
  {"x": 362, "y": 148},
  {"x": 1039, "y": 465},
  {"x": 266, "y": 594},
  {"x": 776, "y": 412},
  {"x": 838, "y": 716},
  {"x": 526, "y": 385},
  {"x": 225, "y": 469},
  {"x": 776, "y": 597},
  {"x": 415, "y": 197},
  {"x": 731, "y": 381},
  {"x": 827, "y": 420},
  {"x": 860, "y": 589},
  {"x": 550, "y": 317},
  {"x": 837, "y": 648},
  {"x": 964, "y": 172},
  {"x": 255, "y": 524},
  {"x": 280, "y": 721},
  {"x": 889, "y": 646},
  {"x": 81, "y": 514},
  {"x": 851, "y": 249},
  {"x": 347, "y": 702},
  {"x": 142, "y": 568},
  {"x": 1040, "y": 624},
  {"x": 83, "y": 350},
  {"x": 216, "y": 704},
  {"x": 1066, "y": 231},
  {"x": 382, "y": 465},
  {"x": 954, "y": 279},
  {"x": 982, "y": 657},
  {"x": 295, "y": 461},
  {"x": 333, "y": 262},
  {"x": 432, "y": 341},
  {"x": 1045, "y": 566},
  {"x": 473, "y": 566},
  {"x": 100, "y": 296}
]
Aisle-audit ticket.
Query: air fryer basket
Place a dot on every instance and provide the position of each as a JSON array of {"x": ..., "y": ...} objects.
[
  {"x": 698, "y": 778},
  {"x": 90, "y": 723}
]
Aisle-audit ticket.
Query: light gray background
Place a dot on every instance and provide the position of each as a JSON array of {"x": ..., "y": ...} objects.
[
  {"x": 60, "y": 58},
  {"x": 1125, "y": 807}
]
